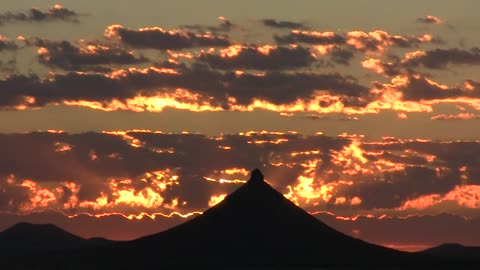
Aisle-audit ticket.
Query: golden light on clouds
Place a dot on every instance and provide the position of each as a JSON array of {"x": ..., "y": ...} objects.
[{"x": 215, "y": 199}]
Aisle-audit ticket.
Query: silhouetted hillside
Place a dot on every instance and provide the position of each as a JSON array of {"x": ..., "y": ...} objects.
[
  {"x": 253, "y": 227},
  {"x": 25, "y": 238},
  {"x": 38, "y": 237},
  {"x": 256, "y": 225},
  {"x": 454, "y": 251}
]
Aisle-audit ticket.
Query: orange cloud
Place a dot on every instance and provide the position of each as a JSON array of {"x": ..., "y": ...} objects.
[
  {"x": 215, "y": 199},
  {"x": 460, "y": 116},
  {"x": 430, "y": 19},
  {"x": 464, "y": 195}
]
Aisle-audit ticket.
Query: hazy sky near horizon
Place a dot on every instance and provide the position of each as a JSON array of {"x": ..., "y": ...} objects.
[{"x": 157, "y": 108}]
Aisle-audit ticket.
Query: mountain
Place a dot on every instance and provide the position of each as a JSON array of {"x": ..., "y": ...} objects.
[
  {"x": 257, "y": 226},
  {"x": 32, "y": 237},
  {"x": 454, "y": 251},
  {"x": 42, "y": 238},
  {"x": 254, "y": 227}
]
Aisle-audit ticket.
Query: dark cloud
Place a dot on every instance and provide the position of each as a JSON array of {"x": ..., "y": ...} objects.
[
  {"x": 224, "y": 26},
  {"x": 260, "y": 58},
  {"x": 441, "y": 58},
  {"x": 364, "y": 176},
  {"x": 421, "y": 88},
  {"x": 283, "y": 24},
  {"x": 92, "y": 159},
  {"x": 429, "y": 19},
  {"x": 341, "y": 55},
  {"x": 90, "y": 56},
  {"x": 316, "y": 38},
  {"x": 358, "y": 40},
  {"x": 392, "y": 189},
  {"x": 57, "y": 13},
  {"x": 213, "y": 88},
  {"x": 6, "y": 44},
  {"x": 157, "y": 38},
  {"x": 431, "y": 59},
  {"x": 342, "y": 46}
]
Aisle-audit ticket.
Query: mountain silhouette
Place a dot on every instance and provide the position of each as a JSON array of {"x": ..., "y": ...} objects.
[
  {"x": 42, "y": 238},
  {"x": 256, "y": 225},
  {"x": 253, "y": 227},
  {"x": 454, "y": 251}
]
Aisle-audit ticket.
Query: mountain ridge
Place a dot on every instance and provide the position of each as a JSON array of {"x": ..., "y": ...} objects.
[
  {"x": 254, "y": 226},
  {"x": 254, "y": 222}
]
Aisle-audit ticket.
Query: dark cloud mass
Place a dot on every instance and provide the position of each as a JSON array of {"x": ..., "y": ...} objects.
[
  {"x": 421, "y": 88},
  {"x": 90, "y": 56},
  {"x": 158, "y": 38},
  {"x": 283, "y": 24},
  {"x": 358, "y": 40},
  {"x": 142, "y": 171},
  {"x": 6, "y": 44},
  {"x": 260, "y": 58},
  {"x": 317, "y": 38},
  {"x": 441, "y": 58},
  {"x": 57, "y": 13},
  {"x": 429, "y": 19},
  {"x": 214, "y": 88},
  {"x": 224, "y": 26}
]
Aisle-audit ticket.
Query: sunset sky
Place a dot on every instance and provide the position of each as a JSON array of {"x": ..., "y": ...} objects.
[{"x": 121, "y": 120}]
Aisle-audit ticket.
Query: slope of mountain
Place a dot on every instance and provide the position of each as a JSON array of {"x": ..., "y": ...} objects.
[
  {"x": 38, "y": 237},
  {"x": 454, "y": 251},
  {"x": 256, "y": 225},
  {"x": 42, "y": 238}
]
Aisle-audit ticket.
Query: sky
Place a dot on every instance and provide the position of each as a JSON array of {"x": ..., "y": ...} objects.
[{"x": 122, "y": 120}]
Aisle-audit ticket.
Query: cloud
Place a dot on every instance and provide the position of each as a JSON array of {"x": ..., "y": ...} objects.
[
  {"x": 215, "y": 90},
  {"x": 438, "y": 59},
  {"x": 460, "y": 116},
  {"x": 283, "y": 24},
  {"x": 417, "y": 88},
  {"x": 225, "y": 26},
  {"x": 135, "y": 172},
  {"x": 57, "y": 13},
  {"x": 390, "y": 69},
  {"x": 6, "y": 44},
  {"x": 341, "y": 47},
  {"x": 158, "y": 38},
  {"x": 311, "y": 37},
  {"x": 376, "y": 40},
  {"x": 326, "y": 117},
  {"x": 429, "y": 19},
  {"x": 89, "y": 56},
  {"x": 200, "y": 88},
  {"x": 259, "y": 58},
  {"x": 441, "y": 58}
]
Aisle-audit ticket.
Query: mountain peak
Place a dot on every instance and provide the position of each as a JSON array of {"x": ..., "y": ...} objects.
[
  {"x": 251, "y": 222},
  {"x": 256, "y": 176}
]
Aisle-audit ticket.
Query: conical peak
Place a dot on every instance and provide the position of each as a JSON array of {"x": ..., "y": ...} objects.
[{"x": 256, "y": 176}]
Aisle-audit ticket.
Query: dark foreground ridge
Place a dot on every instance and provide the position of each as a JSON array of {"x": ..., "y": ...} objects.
[{"x": 253, "y": 227}]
